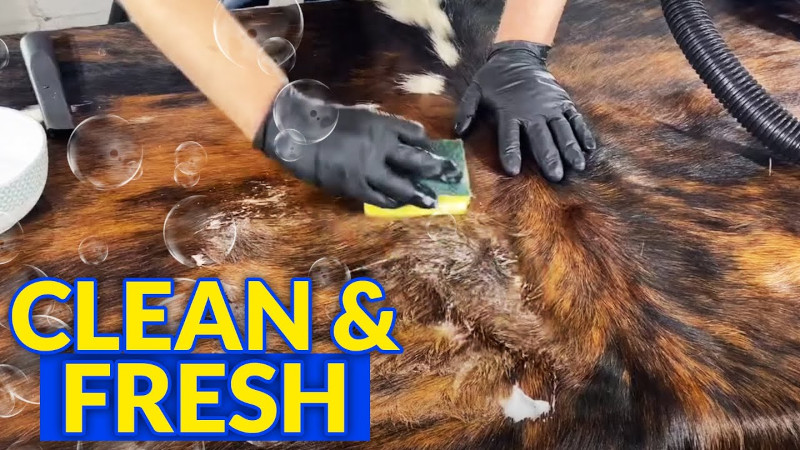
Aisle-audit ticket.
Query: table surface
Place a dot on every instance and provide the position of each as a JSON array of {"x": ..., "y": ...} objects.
[{"x": 637, "y": 288}]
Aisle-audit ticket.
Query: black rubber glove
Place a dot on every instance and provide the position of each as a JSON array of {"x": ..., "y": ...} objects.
[
  {"x": 526, "y": 100},
  {"x": 369, "y": 156}
]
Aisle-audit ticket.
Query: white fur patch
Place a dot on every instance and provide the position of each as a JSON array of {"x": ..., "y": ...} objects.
[
  {"x": 376, "y": 109},
  {"x": 369, "y": 106},
  {"x": 429, "y": 15},
  {"x": 427, "y": 83},
  {"x": 519, "y": 406},
  {"x": 446, "y": 50}
]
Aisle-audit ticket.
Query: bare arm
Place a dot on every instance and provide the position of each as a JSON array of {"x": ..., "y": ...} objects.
[
  {"x": 184, "y": 31},
  {"x": 530, "y": 20}
]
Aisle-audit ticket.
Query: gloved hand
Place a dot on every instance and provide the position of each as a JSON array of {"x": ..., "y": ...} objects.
[
  {"x": 371, "y": 157},
  {"x": 524, "y": 98}
]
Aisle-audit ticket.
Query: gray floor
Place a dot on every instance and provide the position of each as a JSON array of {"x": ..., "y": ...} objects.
[{"x": 19, "y": 16}]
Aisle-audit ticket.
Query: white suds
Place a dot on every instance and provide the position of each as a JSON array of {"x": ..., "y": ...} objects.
[
  {"x": 264, "y": 202},
  {"x": 519, "y": 406},
  {"x": 201, "y": 260},
  {"x": 427, "y": 83},
  {"x": 214, "y": 223},
  {"x": 447, "y": 328},
  {"x": 427, "y": 14}
]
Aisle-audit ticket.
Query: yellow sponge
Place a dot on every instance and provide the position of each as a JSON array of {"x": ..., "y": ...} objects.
[{"x": 453, "y": 198}]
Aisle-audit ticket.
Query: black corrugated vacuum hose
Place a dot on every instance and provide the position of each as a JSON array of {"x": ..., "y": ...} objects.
[{"x": 730, "y": 82}]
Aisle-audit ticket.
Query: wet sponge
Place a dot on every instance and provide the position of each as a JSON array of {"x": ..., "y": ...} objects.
[{"x": 453, "y": 198}]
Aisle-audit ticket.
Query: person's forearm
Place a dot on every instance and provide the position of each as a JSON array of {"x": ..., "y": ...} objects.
[
  {"x": 530, "y": 20},
  {"x": 184, "y": 31}
]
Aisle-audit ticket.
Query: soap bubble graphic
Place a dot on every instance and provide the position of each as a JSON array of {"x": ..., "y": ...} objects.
[
  {"x": 47, "y": 324},
  {"x": 191, "y": 157},
  {"x": 279, "y": 51},
  {"x": 329, "y": 272},
  {"x": 10, "y": 241},
  {"x": 12, "y": 381},
  {"x": 197, "y": 233},
  {"x": 15, "y": 278},
  {"x": 10, "y": 405},
  {"x": 139, "y": 173},
  {"x": 5, "y": 55},
  {"x": 184, "y": 177},
  {"x": 19, "y": 373},
  {"x": 307, "y": 108},
  {"x": 93, "y": 251},
  {"x": 105, "y": 151},
  {"x": 289, "y": 145},
  {"x": 16, "y": 382},
  {"x": 242, "y": 35}
]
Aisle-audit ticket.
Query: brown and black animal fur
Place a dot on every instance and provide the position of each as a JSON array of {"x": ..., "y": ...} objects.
[{"x": 652, "y": 299}]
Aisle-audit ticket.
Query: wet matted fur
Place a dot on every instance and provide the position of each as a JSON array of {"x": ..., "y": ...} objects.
[{"x": 652, "y": 299}]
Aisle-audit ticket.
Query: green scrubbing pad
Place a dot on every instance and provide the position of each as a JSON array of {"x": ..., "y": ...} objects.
[{"x": 453, "y": 198}]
